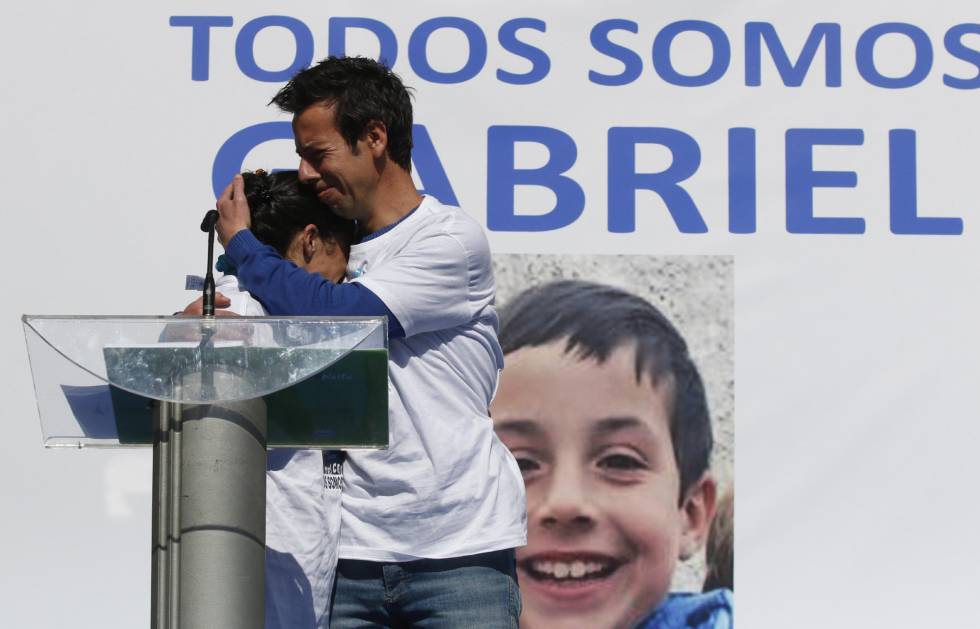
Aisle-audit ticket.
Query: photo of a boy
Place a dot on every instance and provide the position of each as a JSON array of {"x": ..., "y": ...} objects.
[{"x": 606, "y": 414}]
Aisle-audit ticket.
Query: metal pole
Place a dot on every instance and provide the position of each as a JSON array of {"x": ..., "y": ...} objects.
[
  {"x": 159, "y": 567},
  {"x": 222, "y": 514},
  {"x": 173, "y": 524}
]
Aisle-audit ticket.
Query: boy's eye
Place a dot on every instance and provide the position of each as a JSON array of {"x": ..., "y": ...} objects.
[
  {"x": 526, "y": 465},
  {"x": 621, "y": 462}
]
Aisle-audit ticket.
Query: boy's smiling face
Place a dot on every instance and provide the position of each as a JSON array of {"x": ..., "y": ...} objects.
[{"x": 604, "y": 524}]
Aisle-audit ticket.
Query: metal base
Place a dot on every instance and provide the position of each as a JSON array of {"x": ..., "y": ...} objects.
[{"x": 208, "y": 546}]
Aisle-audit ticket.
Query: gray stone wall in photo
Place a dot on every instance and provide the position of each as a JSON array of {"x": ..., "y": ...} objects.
[{"x": 697, "y": 295}]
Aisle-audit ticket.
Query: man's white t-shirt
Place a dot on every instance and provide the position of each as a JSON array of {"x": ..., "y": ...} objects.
[
  {"x": 446, "y": 486},
  {"x": 302, "y": 519}
]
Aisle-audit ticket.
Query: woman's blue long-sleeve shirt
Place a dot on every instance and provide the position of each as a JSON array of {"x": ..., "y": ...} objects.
[{"x": 285, "y": 289}]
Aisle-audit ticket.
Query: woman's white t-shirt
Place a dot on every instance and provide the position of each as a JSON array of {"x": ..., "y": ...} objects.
[{"x": 302, "y": 519}]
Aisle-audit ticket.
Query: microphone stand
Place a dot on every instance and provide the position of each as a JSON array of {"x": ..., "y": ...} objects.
[
  {"x": 207, "y": 327},
  {"x": 207, "y": 225}
]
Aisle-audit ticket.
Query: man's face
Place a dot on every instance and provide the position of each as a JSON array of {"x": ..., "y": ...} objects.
[
  {"x": 344, "y": 179},
  {"x": 604, "y": 525}
]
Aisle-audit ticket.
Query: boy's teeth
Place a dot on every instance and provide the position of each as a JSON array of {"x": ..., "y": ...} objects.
[{"x": 563, "y": 570}]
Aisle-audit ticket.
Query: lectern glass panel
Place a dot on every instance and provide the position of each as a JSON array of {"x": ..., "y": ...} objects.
[{"x": 324, "y": 380}]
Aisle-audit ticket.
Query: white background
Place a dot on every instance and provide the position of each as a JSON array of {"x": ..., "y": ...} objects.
[{"x": 856, "y": 355}]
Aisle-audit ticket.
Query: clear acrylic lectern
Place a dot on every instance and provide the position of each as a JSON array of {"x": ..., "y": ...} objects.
[{"x": 210, "y": 394}]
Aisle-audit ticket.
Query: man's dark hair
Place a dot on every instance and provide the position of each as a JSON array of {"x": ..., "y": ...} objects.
[
  {"x": 361, "y": 90},
  {"x": 281, "y": 207},
  {"x": 596, "y": 320}
]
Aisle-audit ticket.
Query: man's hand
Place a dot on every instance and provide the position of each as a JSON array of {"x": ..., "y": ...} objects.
[
  {"x": 233, "y": 211},
  {"x": 196, "y": 307},
  {"x": 190, "y": 330}
]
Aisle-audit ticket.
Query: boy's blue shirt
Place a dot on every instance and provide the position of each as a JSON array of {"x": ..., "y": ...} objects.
[
  {"x": 688, "y": 610},
  {"x": 285, "y": 289}
]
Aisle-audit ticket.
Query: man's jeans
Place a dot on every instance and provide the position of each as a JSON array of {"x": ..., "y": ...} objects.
[{"x": 461, "y": 592}]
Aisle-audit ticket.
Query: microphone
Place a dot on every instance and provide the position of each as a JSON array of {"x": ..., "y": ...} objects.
[
  {"x": 207, "y": 225},
  {"x": 210, "y": 220}
]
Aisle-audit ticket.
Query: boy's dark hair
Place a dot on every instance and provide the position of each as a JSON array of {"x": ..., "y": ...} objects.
[
  {"x": 281, "y": 207},
  {"x": 597, "y": 320},
  {"x": 720, "y": 549},
  {"x": 361, "y": 90}
]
